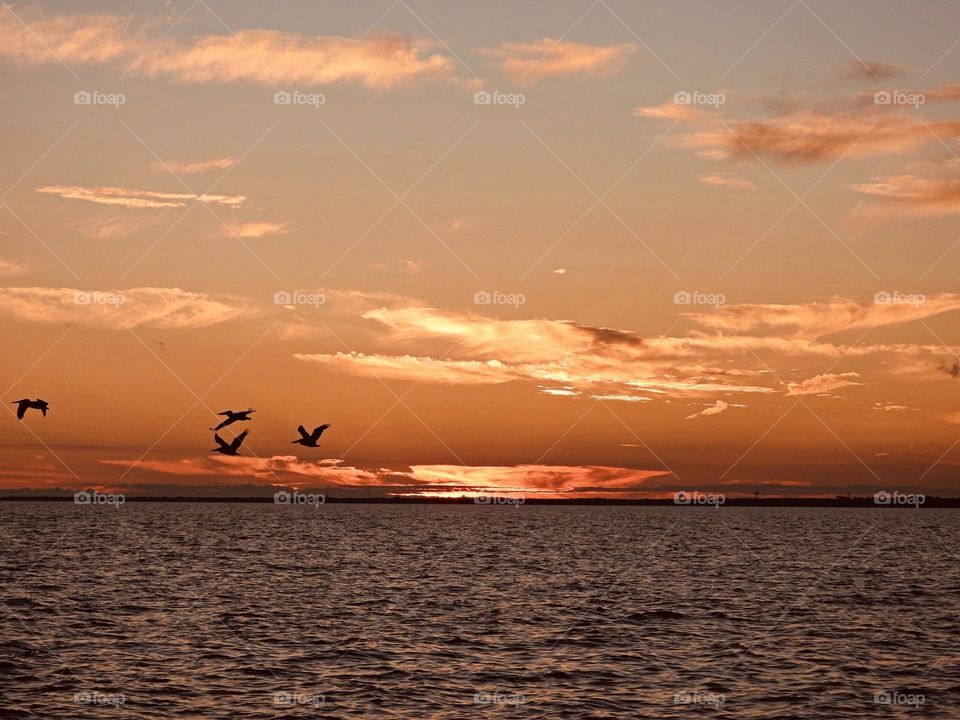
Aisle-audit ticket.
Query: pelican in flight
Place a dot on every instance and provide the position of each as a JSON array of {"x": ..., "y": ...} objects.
[
  {"x": 24, "y": 405},
  {"x": 232, "y": 447},
  {"x": 310, "y": 439},
  {"x": 232, "y": 417}
]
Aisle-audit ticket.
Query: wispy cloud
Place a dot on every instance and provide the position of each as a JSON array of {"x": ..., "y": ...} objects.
[
  {"x": 529, "y": 62},
  {"x": 822, "y": 318},
  {"x": 11, "y": 268},
  {"x": 134, "y": 307},
  {"x": 715, "y": 409},
  {"x": 900, "y": 196},
  {"x": 255, "y": 229},
  {"x": 551, "y": 354},
  {"x": 193, "y": 167},
  {"x": 130, "y": 198},
  {"x": 870, "y": 70},
  {"x": 433, "y": 480},
  {"x": 727, "y": 181},
  {"x": 266, "y": 57},
  {"x": 821, "y": 384},
  {"x": 408, "y": 367},
  {"x": 859, "y": 129}
]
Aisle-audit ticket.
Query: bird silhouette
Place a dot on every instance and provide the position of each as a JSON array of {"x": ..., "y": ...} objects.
[
  {"x": 310, "y": 439},
  {"x": 233, "y": 416},
  {"x": 232, "y": 447},
  {"x": 951, "y": 370},
  {"x": 24, "y": 405}
]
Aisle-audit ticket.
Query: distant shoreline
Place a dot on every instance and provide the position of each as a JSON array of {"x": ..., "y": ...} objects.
[{"x": 854, "y": 502}]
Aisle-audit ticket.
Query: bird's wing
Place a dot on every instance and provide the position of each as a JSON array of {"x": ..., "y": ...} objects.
[
  {"x": 318, "y": 431},
  {"x": 303, "y": 432},
  {"x": 226, "y": 412},
  {"x": 238, "y": 440},
  {"x": 21, "y": 409},
  {"x": 220, "y": 442},
  {"x": 43, "y": 409}
]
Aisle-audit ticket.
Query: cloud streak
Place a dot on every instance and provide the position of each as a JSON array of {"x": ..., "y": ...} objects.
[
  {"x": 822, "y": 384},
  {"x": 533, "y": 61},
  {"x": 265, "y": 57},
  {"x": 139, "y": 199},
  {"x": 171, "y": 308}
]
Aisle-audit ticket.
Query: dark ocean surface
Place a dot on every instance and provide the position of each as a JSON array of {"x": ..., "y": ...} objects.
[{"x": 173, "y": 610}]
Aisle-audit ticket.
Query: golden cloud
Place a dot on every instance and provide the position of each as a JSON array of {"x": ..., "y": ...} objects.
[
  {"x": 529, "y": 62},
  {"x": 134, "y": 307},
  {"x": 261, "y": 56}
]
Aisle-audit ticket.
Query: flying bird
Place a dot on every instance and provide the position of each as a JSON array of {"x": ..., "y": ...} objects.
[
  {"x": 232, "y": 417},
  {"x": 310, "y": 439},
  {"x": 24, "y": 405},
  {"x": 230, "y": 448},
  {"x": 951, "y": 370}
]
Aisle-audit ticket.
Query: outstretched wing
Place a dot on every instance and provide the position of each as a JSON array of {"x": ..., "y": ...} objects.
[
  {"x": 238, "y": 440},
  {"x": 220, "y": 442},
  {"x": 222, "y": 424},
  {"x": 21, "y": 409},
  {"x": 318, "y": 431},
  {"x": 226, "y": 412},
  {"x": 303, "y": 432}
]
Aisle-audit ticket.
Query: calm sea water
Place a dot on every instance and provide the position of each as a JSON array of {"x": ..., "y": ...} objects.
[{"x": 262, "y": 611}]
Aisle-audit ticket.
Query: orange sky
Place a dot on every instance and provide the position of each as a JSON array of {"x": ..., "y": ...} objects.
[{"x": 606, "y": 250}]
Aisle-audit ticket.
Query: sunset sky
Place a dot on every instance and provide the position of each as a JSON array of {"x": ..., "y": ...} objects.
[{"x": 685, "y": 245}]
